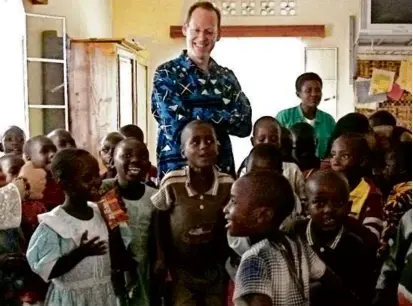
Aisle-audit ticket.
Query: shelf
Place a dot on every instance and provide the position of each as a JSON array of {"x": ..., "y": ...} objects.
[{"x": 45, "y": 60}]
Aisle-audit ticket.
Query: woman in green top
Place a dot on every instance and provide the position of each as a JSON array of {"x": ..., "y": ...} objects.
[{"x": 308, "y": 88}]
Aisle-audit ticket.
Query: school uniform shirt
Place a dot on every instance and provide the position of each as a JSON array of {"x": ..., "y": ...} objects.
[
  {"x": 182, "y": 93},
  {"x": 367, "y": 206},
  {"x": 323, "y": 126},
  {"x": 265, "y": 269},
  {"x": 350, "y": 255},
  {"x": 398, "y": 202},
  {"x": 197, "y": 223}
]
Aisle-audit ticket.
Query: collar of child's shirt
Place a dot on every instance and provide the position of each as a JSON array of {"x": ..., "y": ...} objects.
[
  {"x": 193, "y": 193},
  {"x": 331, "y": 244}
]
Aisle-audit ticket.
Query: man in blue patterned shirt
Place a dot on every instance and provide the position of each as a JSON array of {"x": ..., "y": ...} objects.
[{"x": 193, "y": 86}]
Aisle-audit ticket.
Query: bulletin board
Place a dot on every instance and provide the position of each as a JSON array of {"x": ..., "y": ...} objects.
[{"x": 401, "y": 109}]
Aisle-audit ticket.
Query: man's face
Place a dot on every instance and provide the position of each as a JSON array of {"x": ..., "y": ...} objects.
[{"x": 201, "y": 33}]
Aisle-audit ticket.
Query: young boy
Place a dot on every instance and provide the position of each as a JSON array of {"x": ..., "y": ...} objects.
[
  {"x": 394, "y": 286},
  {"x": 107, "y": 149},
  {"x": 62, "y": 139},
  {"x": 268, "y": 130},
  {"x": 304, "y": 148},
  {"x": 12, "y": 140},
  {"x": 343, "y": 243},
  {"x": 135, "y": 131},
  {"x": 398, "y": 175},
  {"x": 193, "y": 198},
  {"x": 349, "y": 155},
  {"x": 277, "y": 269},
  {"x": 131, "y": 160},
  {"x": 10, "y": 165}
]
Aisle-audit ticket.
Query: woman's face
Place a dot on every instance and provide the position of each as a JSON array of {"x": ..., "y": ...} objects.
[{"x": 310, "y": 93}]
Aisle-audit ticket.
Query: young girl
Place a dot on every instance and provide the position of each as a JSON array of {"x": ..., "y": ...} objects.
[{"x": 69, "y": 247}]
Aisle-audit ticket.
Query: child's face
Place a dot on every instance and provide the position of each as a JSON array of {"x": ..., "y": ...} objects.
[
  {"x": 200, "y": 148},
  {"x": 344, "y": 156},
  {"x": 11, "y": 168},
  {"x": 63, "y": 141},
  {"x": 303, "y": 147},
  {"x": 132, "y": 161},
  {"x": 87, "y": 183},
  {"x": 267, "y": 132},
  {"x": 106, "y": 153},
  {"x": 327, "y": 209},
  {"x": 311, "y": 93},
  {"x": 391, "y": 167},
  {"x": 42, "y": 152},
  {"x": 13, "y": 141},
  {"x": 259, "y": 164}
]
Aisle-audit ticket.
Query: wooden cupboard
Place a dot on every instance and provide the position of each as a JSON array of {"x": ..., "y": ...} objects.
[{"x": 104, "y": 88}]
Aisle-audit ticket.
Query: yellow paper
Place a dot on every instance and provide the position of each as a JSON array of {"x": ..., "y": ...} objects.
[
  {"x": 381, "y": 81},
  {"x": 405, "y": 75}
]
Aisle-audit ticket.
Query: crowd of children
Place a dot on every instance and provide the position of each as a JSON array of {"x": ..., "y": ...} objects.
[{"x": 291, "y": 229}]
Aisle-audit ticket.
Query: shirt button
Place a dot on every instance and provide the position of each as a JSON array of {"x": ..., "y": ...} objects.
[
  {"x": 321, "y": 250},
  {"x": 201, "y": 207},
  {"x": 201, "y": 197}
]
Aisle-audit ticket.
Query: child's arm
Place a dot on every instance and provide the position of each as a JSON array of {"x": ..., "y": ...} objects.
[
  {"x": 92, "y": 247},
  {"x": 254, "y": 300},
  {"x": 239, "y": 244}
]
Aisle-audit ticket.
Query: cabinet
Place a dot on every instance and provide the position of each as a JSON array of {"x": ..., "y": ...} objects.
[{"x": 105, "y": 89}]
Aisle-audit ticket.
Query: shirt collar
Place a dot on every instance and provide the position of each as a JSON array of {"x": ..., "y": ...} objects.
[
  {"x": 317, "y": 118},
  {"x": 189, "y": 64},
  {"x": 334, "y": 242},
  {"x": 193, "y": 193}
]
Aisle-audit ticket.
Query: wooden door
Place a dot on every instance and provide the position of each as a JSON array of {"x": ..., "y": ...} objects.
[{"x": 126, "y": 91}]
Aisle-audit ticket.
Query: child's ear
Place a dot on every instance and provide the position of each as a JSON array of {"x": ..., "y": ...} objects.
[
  {"x": 1, "y": 147},
  {"x": 252, "y": 140},
  {"x": 264, "y": 215},
  {"x": 297, "y": 94},
  {"x": 348, "y": 207}
]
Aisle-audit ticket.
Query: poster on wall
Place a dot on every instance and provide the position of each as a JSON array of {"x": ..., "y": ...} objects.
[
  {"x": 362, "y": 88},
  {"x": 381, "y": 81},
  {"x": 405, "y": 75}
]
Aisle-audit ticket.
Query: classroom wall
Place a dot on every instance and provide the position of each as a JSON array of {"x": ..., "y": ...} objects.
[{"x": 148, "y": 21}]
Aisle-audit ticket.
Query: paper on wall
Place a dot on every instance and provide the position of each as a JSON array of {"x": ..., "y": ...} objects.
[
  {"x": 405, "y": 75},
  {"x": 362, "y": 88},
  {"x": 381, "y": 81}
]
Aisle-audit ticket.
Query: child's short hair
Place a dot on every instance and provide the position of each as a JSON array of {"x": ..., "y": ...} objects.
[
  {"x": 62, "y": 132},
  {"x": 273, "y": 190},
  {"x": 382, "y": 117},
  {"x": 114, "y": 137},
  {"x": 263, "y": 119},
  {"x": 337, "y": 179},
  {"x": 27, "y": 148},
  {"x": 267, "y": 152},
  {"x": 132, "y": 131},
  {"x": 303, "y": 129},
  {"x": 67, "y": 163},
  {"x": 190, "y": 126},
  {"x": 308, "y": 76},
  {"x": 358, "y": 141}
]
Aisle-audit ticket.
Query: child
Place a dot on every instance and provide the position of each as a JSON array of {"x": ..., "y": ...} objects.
[
  {"x": 131, "y": 160},
  {"x": 195, "y": 248},
  {"x": 304, "y": 148},
  {"x": 62, "y": 139},
  {"x": 12, "y": 141},
  {"x": 287, "y": 145},
  {"x": 394, "y": 286},
  {"x": 398, "y": 175},
  {"x": 135, "y": 131},
  {"x": 268, "y": 130},
  {"x": 343, "y": 243},
  {"x": 349, "y": 155},
  {"x": 277, "y": 269},
  {"x": 10, "y": 165},
  {"x": 107, "y": 149},
  {"x": 69, "y": 248}
]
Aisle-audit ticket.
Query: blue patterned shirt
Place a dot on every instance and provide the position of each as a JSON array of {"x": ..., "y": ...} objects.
[{"x": 182, "y": 93}]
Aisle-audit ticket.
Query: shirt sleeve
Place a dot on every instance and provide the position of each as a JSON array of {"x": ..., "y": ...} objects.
[
  {"x": 235, "y": 116},
  {"x": 43, "y": 251},
  {"x": 10, "y": 207},
  {"x": 281, "y": 118},
  {"x": 374, "y": 214},
  {"x": 163, "y": 198},
  {"x": 239, "y": 244},
  {"x": 252, "y": 278},
  {"x": 317, "y": 267}
]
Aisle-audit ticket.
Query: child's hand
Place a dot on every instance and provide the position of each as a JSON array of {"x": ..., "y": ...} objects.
[
  {"x": 92, "y": 247},
  {"x": 12, "y": 261}
]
